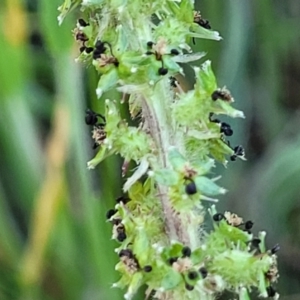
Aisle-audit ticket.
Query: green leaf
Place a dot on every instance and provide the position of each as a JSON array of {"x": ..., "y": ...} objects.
[
  {"x": 141, "y": 246},
  {"x": 100, "y": 156},
  {"x": 135, "y": 191},
  {"x": 171, "y": 279},
  {"x": 136, "y": 282},
  {"x": 200, "y": 32},
  {"x": 176, "y": 159},
  {"x": 65, "y": 8},
  {"x": 243, "y": 294},
  {"x": 197, "y": 256},
  {"x": 139, "y": 172},
  {"x": 107, "y": 81},
  {"x": 205, "y": 79},
  {"x": 223, "y": 107},
  {"x": 208, "y": 187},
  {"x": 166, "y": 177},
  {"x": 232, "y": 233}
]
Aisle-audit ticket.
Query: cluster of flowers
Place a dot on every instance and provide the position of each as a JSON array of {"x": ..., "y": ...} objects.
[{"x": 138, "y": 48}]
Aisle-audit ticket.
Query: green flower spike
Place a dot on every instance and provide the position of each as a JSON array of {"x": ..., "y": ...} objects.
[{"x": 138, "y": 49}]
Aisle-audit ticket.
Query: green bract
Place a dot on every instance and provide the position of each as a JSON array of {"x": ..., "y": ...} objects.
[{"x": 138, "y": 48}]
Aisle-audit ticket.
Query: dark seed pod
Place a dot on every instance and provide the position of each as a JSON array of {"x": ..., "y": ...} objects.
[
  {"x": 173, "y": 82},
  {"x": 110, "y": 213},
  {"x": 174, "y": 52},
  {"x": 248, "y": 225},
  {"x": 83, "y": 23},
  {"x": 162, "y": 71},
  {"x": 239, "y": 150},
  {"x": 147, "y": 269},
  {"x": 233, "y": 157},
  {"x": 189, "y": 287},
  {"x": 96, "y": 54},
  {"x": 192, "y": 275},
  {"x": 89, "y": 50},
  {"x": 81, "y": 49},
  {"x": 191, "y": 188},
  {"x": 100, "y": 46},
  {"x": 215, "y": 121},
  {"x": 80, "y": 36},
  {"x": 255, "y": 242},
  {"x": 150, "y": 44},
  {"x": 121, "y": 236},
  {"x": 218, "y": 217},
  {"x": 271, "y": 291},
  {"x": 171, "y": 260},
  {"x": 186, "y": 251},
  {"x": 203, "y": 271},
  {"x": 126, "y": 252},
  {"x": 204, "y": 23},
  {"x": 215, "y": 95},
  {"x": 123, "y": 199},
  {"x": 275, "y": 249},
  {"x": 221, "y": 94},
  {"x": 226, "y": 129},
  {"x": 116, "y": 221}
]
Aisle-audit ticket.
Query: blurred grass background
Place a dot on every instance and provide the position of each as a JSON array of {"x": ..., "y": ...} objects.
[{"x": 54, "y": 242}]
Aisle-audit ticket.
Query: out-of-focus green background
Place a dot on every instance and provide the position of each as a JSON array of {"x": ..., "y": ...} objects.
[{"x": 54, "y": 241}]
